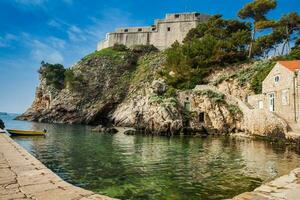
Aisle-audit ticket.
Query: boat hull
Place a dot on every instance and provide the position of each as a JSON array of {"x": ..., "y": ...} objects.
[{"x": 25, "y": 133}]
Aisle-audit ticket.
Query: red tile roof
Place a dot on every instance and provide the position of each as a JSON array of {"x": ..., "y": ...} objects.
[{"x": 292, "y": 65}]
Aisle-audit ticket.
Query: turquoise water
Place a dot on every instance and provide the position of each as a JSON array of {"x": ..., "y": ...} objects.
[{"x": 145, "y": 167}]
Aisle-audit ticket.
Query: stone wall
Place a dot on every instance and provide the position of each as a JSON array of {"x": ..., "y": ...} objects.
[
  {"x": 254, "y": 101},
  {"x": 255, "y": 121},
  {"x": 162, "y": 35}
]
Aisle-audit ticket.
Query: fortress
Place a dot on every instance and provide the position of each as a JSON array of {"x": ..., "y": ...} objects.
[{"x": 162, "y": 34}]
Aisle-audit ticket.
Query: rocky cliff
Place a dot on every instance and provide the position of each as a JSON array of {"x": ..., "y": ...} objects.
[
  {"x": 124, "y": 87},
  {"x": 98, "y": 85}
]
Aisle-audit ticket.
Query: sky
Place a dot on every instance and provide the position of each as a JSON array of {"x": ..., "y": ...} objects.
[{"x": 63, "y": 31}]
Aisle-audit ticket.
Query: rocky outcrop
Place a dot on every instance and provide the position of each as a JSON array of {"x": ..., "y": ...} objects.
[
  {"x": 155, "y": 113},
  {"x": 253, "y": 121},
  {"x": 103, "y": 85},
  {"x": 123, "y": 89}
]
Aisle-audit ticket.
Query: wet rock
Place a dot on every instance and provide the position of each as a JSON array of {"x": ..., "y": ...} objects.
[
  {"x": 98, "y": 128},
  {"x": 111, "y": 130},
  {"x": 130, "y": 132}
]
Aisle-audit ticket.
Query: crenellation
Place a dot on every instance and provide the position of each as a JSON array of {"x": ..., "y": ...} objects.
[{"x": 162, "y": 34}]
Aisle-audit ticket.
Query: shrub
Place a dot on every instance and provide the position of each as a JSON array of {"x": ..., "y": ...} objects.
[
  {"x": 72, "y": 81},
  {"x": 119, "y": 47},
  {"x": 144, "y": 49},
  {"x": 171, "y": 92},
  {"x": 234, "y": 109},
  {"x": 156, "y": 99},
  {"x": 53, "y": 73},
  {"x": 262, "y": 71},
  {"x": 216, "y": 97}
]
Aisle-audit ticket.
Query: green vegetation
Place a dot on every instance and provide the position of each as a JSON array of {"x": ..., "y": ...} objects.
[
  {"x": 293, "y": 55},
  {"x": 53, "y": 73},
  {"x": 257, "y": 11},
  {"x": 273, "y": 33},
  {"x": 163, "y": 100},
  {"x": 115, "y": 52},
  {"x": 171, "y": 92},
  {"x": 254, "y": 75},
  {"x": 217, "y": 42},
  {"x": 234, "y": 109},
  {"x": 72, "y": 81},
  {"x": 216, "y": 97},
  {"x": 144, "y": 49}
]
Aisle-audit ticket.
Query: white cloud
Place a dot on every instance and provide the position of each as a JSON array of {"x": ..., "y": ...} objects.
[
  {"x": 56, "y": 43},
  {"x": 54, "y": 23},
  {"x": 5, "y": 41},
  {"x": 42, "y": 51}
]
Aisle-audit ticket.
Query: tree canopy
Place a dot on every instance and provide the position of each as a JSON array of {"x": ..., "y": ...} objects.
[
  {"x": 53, "y": 74},
  {"x": 217, "y": 42},
  {"x": 257, "y": 9}
]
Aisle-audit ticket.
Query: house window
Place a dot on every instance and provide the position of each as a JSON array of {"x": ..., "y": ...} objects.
[
  {"x": 125, "y": 30},
  {"x": 276, "y": 79},
  {"x": 201, "y": 117},
  {"x": 285, "y": 97},
  {"x": 169, "y": 28},
  {"x": 176, "y": 16},
  {"x": 272, "y": 102},
  {"x": 260, "y": 104},
  {"x": 140, "y": 30}
]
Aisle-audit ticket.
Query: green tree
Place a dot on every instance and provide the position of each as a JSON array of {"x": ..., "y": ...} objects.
[
  {"x": 217, "y": 42},
  {"x": 257, "y": 10},
  {"x": 53, "y": 74},
  {"x": 73, "y": 82},
  {"x": 289, "y": 25}
]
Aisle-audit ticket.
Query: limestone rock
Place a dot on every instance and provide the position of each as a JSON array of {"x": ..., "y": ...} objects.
[
  {"x": 159, "y": 87},
  {"x": 130, "y": 132}
]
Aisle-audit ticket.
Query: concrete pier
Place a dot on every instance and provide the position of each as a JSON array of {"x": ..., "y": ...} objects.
[{"x": 22, "y": 176}]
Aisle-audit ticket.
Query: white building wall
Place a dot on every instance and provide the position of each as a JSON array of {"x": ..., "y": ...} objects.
[{"x": 162, "y": 35}]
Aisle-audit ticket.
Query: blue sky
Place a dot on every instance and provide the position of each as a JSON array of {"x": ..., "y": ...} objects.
[{"x": 63, "y": 31}]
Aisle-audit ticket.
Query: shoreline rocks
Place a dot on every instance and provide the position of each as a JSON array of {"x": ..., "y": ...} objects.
[{"x": 102, "y": 129}]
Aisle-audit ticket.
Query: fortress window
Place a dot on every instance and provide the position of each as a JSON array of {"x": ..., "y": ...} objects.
[
  {"x": 197, "y": 14},
  {"x": 176, "y": 16},
  {"x": 169, "y": 28},
  {"x": 153, "y": 29},
  {"x": 140, "y": 30},
  {"x": 125, "y": 30}
]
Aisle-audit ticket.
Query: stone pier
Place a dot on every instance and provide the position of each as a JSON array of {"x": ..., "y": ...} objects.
[
  {"x": 22, "y": 176},
  {"x": 283, "y": 188}
]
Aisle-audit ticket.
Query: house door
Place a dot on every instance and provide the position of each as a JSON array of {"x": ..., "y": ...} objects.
[{"x": 272, "y": 102}]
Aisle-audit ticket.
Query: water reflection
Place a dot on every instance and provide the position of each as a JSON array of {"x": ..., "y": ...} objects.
[{"x": 145, "y": 167}]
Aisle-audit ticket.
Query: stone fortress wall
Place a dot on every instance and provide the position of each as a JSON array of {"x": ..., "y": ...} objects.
[{"x": 162, "y": 34}]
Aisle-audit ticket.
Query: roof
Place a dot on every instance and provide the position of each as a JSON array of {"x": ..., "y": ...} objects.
[{"x": 292, "y": 65}]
